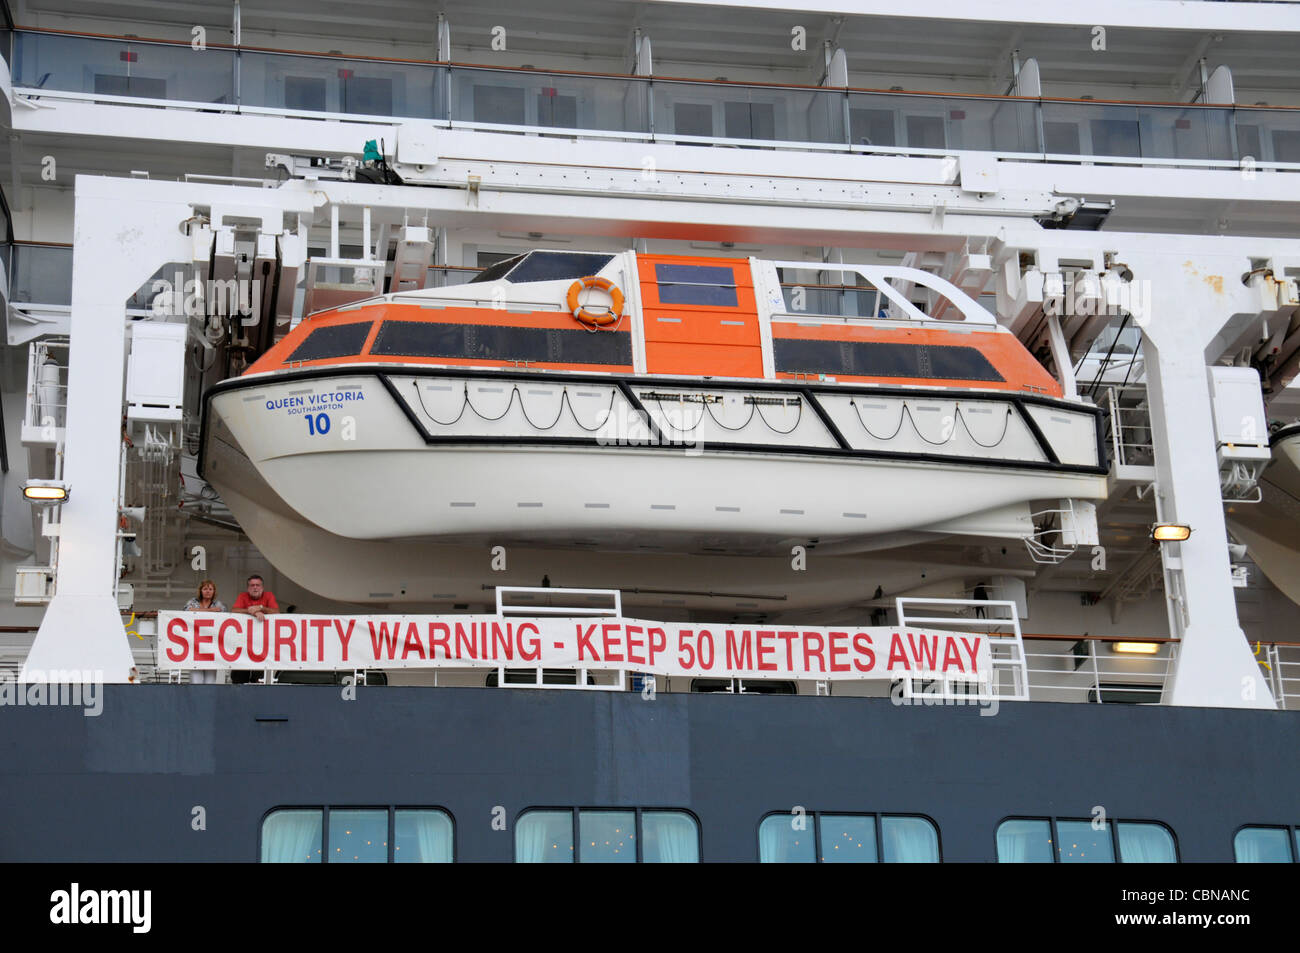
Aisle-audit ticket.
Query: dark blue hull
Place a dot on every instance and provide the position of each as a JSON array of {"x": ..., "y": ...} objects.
[{"x": 123, "y": 786}]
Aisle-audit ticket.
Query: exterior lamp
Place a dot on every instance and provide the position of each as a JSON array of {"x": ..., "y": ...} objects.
[
  {"x": 1135, "y": 648},
  {"x": 46, "y": 492},
  {"x": 1170, "y": 532}
]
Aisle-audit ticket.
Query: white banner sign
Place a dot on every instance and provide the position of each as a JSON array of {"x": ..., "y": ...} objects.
[{"x": 200, "y": 640}]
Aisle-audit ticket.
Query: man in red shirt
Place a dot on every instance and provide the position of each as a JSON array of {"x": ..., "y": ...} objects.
[{"x": 257, "y": 601}]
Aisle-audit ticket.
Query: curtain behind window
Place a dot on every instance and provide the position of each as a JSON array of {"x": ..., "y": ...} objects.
[
  {"x": 544, "y": 837},
  {"x": 423, "y": 837},
  {"x": 292, "y": 837},
  {"x": 909, "y": 840},
  {"x": 1146, "y": 844},
  {"x": 669, "y": 837},
  {"x": 1024, "y": 842}
]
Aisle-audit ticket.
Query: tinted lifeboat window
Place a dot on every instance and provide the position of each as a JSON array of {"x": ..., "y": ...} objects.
[
  {"x": 545, "y": 266},
  {"x": 696, "y": 284},
  {"x": 493, "y": 272},
  {"x": 502, "y": 343},
  {"x": 882, "y": 359},
  {"x": 555, "y": 265},
  {"x": 340, "y": 340}
]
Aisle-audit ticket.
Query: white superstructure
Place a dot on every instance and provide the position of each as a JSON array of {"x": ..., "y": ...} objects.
[{"x": 187, "y": 184}]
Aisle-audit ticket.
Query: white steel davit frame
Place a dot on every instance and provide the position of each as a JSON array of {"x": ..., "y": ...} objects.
[{"x": 1195, "y": 308}]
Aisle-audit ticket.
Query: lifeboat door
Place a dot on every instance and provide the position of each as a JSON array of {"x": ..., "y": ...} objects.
[{"x": 699, "y": 317}]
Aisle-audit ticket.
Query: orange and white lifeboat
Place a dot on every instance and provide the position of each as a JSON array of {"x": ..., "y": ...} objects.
[{"x": 655, "y": 405}]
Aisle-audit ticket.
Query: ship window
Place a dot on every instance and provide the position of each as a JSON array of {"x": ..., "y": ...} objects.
[
  {"x": 490, "y": 342},
  {"x": 1145, "y": 843},
  {"x": 1084, "y": 842},
  {"x": 607, "y": 837},
  {"x": 743, "y": 686},
  {"x": 1263, "y": 845},
  {"x": 339, "y": 340},
  {"x": 799, "y": 838},
  {"x": 1025, "y": 840},
  {"x": 291, "y": 837},
  {"x": 422, "y": 837},
  {"x": 604, "y": 836},
  {"x": 882, "y": 359},
  {"x": 558, "y": 265},
  {"x": 846, "y": 839},
  {"x": 528, "y": 676},
  {"x": 357, "y": 835},
  {"x": 908, "y": 840},
  {"x": 669, "y": 837},
  {"x": 696, "y": 284},
  {"x": 787, "y": 839}
]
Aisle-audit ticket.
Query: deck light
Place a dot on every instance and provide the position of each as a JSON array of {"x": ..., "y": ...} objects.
[
  {"x": 46, "y": 492},
  {"x": 1135, "y": 648},
  {"x": 1170, "y": 532}
]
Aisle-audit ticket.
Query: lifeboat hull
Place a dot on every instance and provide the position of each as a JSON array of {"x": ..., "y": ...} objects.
[{"x": 445, "y": 464}]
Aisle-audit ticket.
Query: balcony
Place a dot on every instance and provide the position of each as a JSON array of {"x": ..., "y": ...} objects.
[{"x": 50, "y": 65}]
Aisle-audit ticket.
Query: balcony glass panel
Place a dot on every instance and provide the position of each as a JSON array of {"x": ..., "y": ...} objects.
[
  {"x": 1172, "y": 132},
  {"x": 748, "y": 112},
  {"x": 336, "y": 85},
  {"x": 1269, "y": 135},
  {"x": 110, "y": 67},
  {"x": 939, "y": 122},
  {"x": 548, "y": 100}
]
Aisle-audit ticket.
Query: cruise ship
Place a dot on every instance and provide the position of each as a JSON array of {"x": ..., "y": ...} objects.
[{"x": 675, "y": 431}]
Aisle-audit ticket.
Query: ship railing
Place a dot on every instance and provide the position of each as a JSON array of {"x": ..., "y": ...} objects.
[
  {"x": 893, "y": 287},
  {"x": 1069, "y": 668},
  {"x": 1057, "y": 668},
  {"x": 998, "y": 621},
  {"x": 531, "y": 600},
  {"x": 1279, "y": 664},
  {"x": 49, "y": 64}
]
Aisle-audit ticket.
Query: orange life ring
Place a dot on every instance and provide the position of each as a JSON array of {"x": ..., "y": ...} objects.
[{"x": 606, "y": 316}]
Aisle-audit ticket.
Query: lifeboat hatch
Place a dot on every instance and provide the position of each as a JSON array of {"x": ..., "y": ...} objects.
[{"x": 700, "y": 317}]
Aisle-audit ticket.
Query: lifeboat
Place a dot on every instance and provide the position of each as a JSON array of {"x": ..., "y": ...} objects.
[{"x": 692, "y": 414}]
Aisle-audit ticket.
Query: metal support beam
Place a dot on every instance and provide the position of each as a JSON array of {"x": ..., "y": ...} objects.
[
  {"x": 1215, "y": 666},
  {"x": 125, "y": 229}
]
